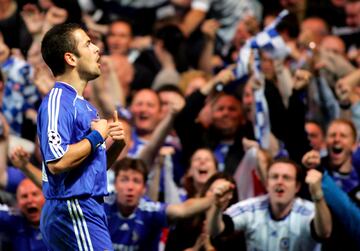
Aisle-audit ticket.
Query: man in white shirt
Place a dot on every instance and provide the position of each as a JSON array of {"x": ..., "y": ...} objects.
[{"x": 279, "y": 220}]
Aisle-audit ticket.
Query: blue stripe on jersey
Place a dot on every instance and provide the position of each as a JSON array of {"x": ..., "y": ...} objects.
[
  {"x": 59, "y": 127},
  {"x": 302, "y": 210},
  {"x": 260, "y": 203},
  {"x": 249, "y": 205}
]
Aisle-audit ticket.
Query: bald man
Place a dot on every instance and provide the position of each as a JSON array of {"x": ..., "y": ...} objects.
[{"x": 22, "y": 225}]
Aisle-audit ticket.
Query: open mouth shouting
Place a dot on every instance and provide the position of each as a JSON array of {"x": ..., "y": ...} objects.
[
  {"x": 32, "y": 212},
  {"x": 336, "y": 152},
  {"x": 279, "y": 191},
  {"x": 203, "y": 173}
]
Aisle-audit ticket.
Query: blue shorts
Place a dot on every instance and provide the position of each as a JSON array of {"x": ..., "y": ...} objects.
[{"x": 75, "y": 224}]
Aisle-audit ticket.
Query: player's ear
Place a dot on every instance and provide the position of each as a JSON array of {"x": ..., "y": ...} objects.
[{"x": 70, "y": 58}]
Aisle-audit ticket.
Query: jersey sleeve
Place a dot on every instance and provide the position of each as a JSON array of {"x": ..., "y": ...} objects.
[
  {"x": 55, "y": 123},
  {"x": 240, "y": 215}
]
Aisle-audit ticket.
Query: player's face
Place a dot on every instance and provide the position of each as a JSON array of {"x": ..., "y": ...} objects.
[
  {"x": 203, "y": 166},
  {"x": 88, "y": 65},
  {"x": 30, "y": 200},
  {"x": 340, "y": 143},
  {"x": 146, "y": 111},
  {"x": 130, "y": 187},
  {"x": 281, "y": 184}
]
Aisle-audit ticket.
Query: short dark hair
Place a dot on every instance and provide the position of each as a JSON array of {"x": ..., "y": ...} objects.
[
  {"x": 169, "y": 88},
  {"x": 127, "y": 163},
  {"x": 56, "y": 42},
  {"x": 317, "y": 123}
]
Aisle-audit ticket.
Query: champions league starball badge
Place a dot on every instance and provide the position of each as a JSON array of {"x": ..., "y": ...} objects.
[{"x": 54, "y": 138}]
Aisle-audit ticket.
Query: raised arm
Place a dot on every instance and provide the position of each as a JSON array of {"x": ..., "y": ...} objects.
[
  {"x": 209, "y": 29},
  {"x": 214, "y": 221},
  {"x": 214, "y": 216},
  {"x": 197, "y": 205},
  {"x": 116, "y": 132},
  {"x": 339, "y": 202},
  {"x": 149, "y": 152},
  {"x": 4, "y": 135},
  {"x": 191, "y": 21},
  {"x": 154, "y": 179},
  {"x": 322, "y": 220},
  {"x": 107, "y": 89},
  {"x": 20, "y": 159}
]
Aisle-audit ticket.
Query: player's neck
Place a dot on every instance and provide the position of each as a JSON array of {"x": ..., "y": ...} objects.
[{"x": 71, "y": 79}]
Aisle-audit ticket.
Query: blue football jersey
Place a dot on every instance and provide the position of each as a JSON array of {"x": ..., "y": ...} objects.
[
  {"x": 64, "y": 118},
  {"x": 23, "y": 236},
  {"x": 140, "y": 231},
  {"x": 19, "y": 92}
]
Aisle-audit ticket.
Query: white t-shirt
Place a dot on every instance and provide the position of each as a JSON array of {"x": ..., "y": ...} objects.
[{"x": 293, "y": 233}]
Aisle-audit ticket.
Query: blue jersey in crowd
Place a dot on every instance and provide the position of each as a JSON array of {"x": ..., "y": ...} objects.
[
  {"x": 20, "y": 93},
  {"x": 64, "y": 118},
  {"x": 23, "y": 236},
  {"x": 141, "y": 230}
]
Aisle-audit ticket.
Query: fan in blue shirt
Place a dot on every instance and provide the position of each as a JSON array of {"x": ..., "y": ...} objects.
[
  {"x": 23, "y": 227},
  {"x": 135, "y": 223}
]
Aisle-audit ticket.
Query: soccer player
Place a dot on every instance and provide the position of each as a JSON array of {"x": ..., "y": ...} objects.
[
  {"x": 279, "y": 220},
  {"x": 72, "y": 145}
]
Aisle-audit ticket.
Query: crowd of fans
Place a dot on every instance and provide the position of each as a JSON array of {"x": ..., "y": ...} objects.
[{"x": 169, "y": 69}]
